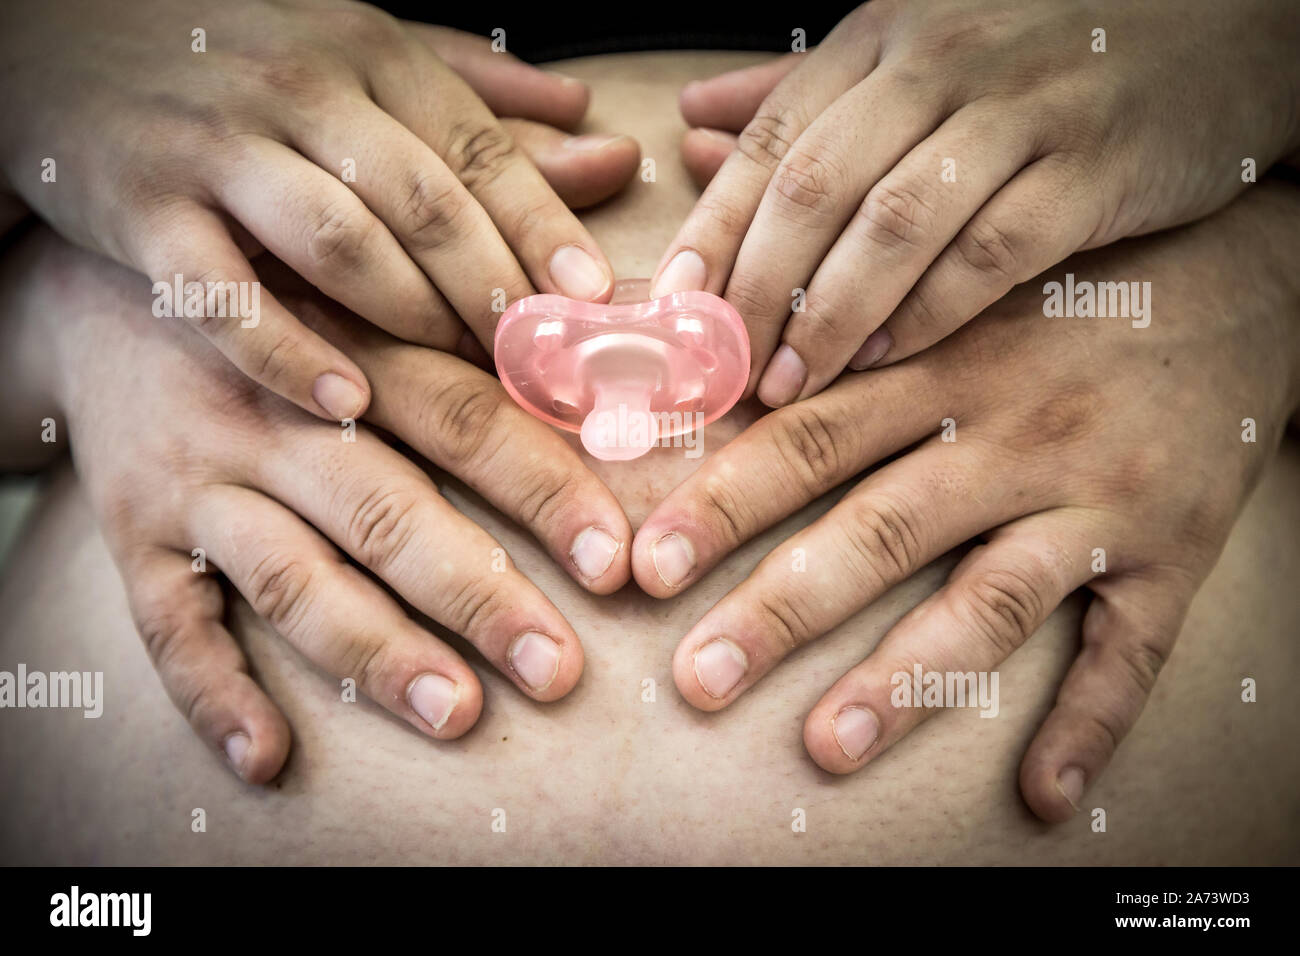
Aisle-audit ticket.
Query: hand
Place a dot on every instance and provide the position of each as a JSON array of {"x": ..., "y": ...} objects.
[
  {"x": 324, "y": 131},
  {"x": 179, "y": 452},
  {"x": 931, "y": 154},
  {"x": 1071, "y": 435}
]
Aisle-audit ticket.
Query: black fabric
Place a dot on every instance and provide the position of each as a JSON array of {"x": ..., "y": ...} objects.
[{"x": 537, "y": 32}]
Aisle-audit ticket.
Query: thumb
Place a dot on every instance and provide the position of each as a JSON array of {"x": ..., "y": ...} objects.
[
  {"x": 730, "y": 100},
  {"x": 508, "y": 85},
  {"x": 582, "y": 170}
]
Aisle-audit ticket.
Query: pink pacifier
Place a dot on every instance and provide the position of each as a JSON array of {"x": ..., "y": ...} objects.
[{"x": 627, "y": 375}]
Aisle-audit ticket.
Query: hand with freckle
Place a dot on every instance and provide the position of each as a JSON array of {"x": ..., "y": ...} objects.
[{"x": 1079, "y": 454}]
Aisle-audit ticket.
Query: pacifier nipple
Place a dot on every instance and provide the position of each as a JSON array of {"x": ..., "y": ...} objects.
[{"x": 621, "y": 425}]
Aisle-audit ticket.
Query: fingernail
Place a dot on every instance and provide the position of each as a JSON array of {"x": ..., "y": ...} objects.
[
  {"x": 719, "y": 666},
  {"x": 1070, "y": 783},
  {"x": 565, "y": 79},
  {"x": 855, "y": 729},
  {"x": 339, "y": 397},
  {"x": 783, "y": 379},
  {"x": 536, "y": 659},
  {"x": 577, "y": 274},
  {"x": 674, "y": 558},
  {"x": 593, "y": 552},
  {"x": 237, "y": 746},
  {"x": 872, "y": 351},
  {"x": 590, "y": 142},
  {"x": 685, "y": 272},
  {"x": 433, "y": 697}
]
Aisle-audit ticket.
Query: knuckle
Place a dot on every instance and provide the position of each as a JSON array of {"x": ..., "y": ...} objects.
[
  {"x": 729, "y": 507},
  {"x": 824, "y": 321},
  {"x": 479, "y": 154},
  {"x": 931, "y": 318},
  {"x": 883, "y": 535},
  {"x": 1144, "y": 660},
  {"x": 1105, "y": 726},
  {"x": 745, "y": 292},
  {"x": 274, "y": 366},
  {"x": 809, "y": 182},
  {"x": 213, "y": 125},
  {"x": 194, "y": 697},
  {"x": 474, "y": 606},
  {"x": 431, "y": 210},
  {"x": 278, "y": 589},
  {"x": 987, "y": 248},
  {"x": 545, "y": 494},
  {"x": 964, "y": 36},
  {"x": 291, "y": 77},
  {"x": 897, "y": 215},
  {"x": 337, "y": 239},
  {"x": 767, "y": 137},
  {"x": 1069, "y": 414},
  {"x": 363, "y": 659},
  {"x": 1004, "y": 607},
  {"x": 810, "y": 446},
  {"x": 461, "y": 415},
  {"x": 365, "y": 26},
  {"x": 722, "y": 216},
  {"x": 381, "y": 526},
  {"x": 162, "y": 627},
  {"x": 206, "y": 320},
  {"x": 528, "y": 216},
  {"x": 783, "y": 619}
]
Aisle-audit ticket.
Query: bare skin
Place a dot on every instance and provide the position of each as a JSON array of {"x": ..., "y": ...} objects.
[
  {"x": 362, "y": 150},
  {"x": 605, "y": 775},
  {"x": 930, "y": 154}
]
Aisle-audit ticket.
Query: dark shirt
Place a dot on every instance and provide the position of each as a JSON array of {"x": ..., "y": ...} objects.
[{"x": 541, "y": 31}]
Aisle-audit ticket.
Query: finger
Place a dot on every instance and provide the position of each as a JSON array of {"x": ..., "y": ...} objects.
[
  {"x": 583, "y": 170},
  {"x": 730, "y": 100},
  {"x": 552, "y": 246},
  {"x": 389, "y": 517},
  {"x": 779, "y": 464},
  {"x": 334, "y": 615},
  {"x": 704, "y": 151},
  {"x": 1128, "y": 633},
  {"x": 430, "y": 213},
  {"x": 893, "y": 523},
  {"x": 997, "y": 597},
  {"x": 263, "y": 339},
  {"x": 324, "y": 232},
  {"x": 702, "y": 253},
  {"x": 903, "y": 224},
  {"x": 461, "y": 419},
  {"x": 178, "y": 612},
  {"x": 1043, "y": 215},
  {"x": 811, "y": 198},
  {"x": 509, "y": 86}
]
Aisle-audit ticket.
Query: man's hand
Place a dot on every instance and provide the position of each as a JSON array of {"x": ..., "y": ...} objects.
[
  {"x": 1084, "y": 451},
  {"x": 193, "y": 470}
]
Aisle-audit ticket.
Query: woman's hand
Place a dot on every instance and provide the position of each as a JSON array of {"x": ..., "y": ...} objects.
[
  {"x": 193, "y": 469},
  {"x": 351, "y": 145},
  {"x": 930, "y": 154},
  {"x": 1076, "y": 444}
]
